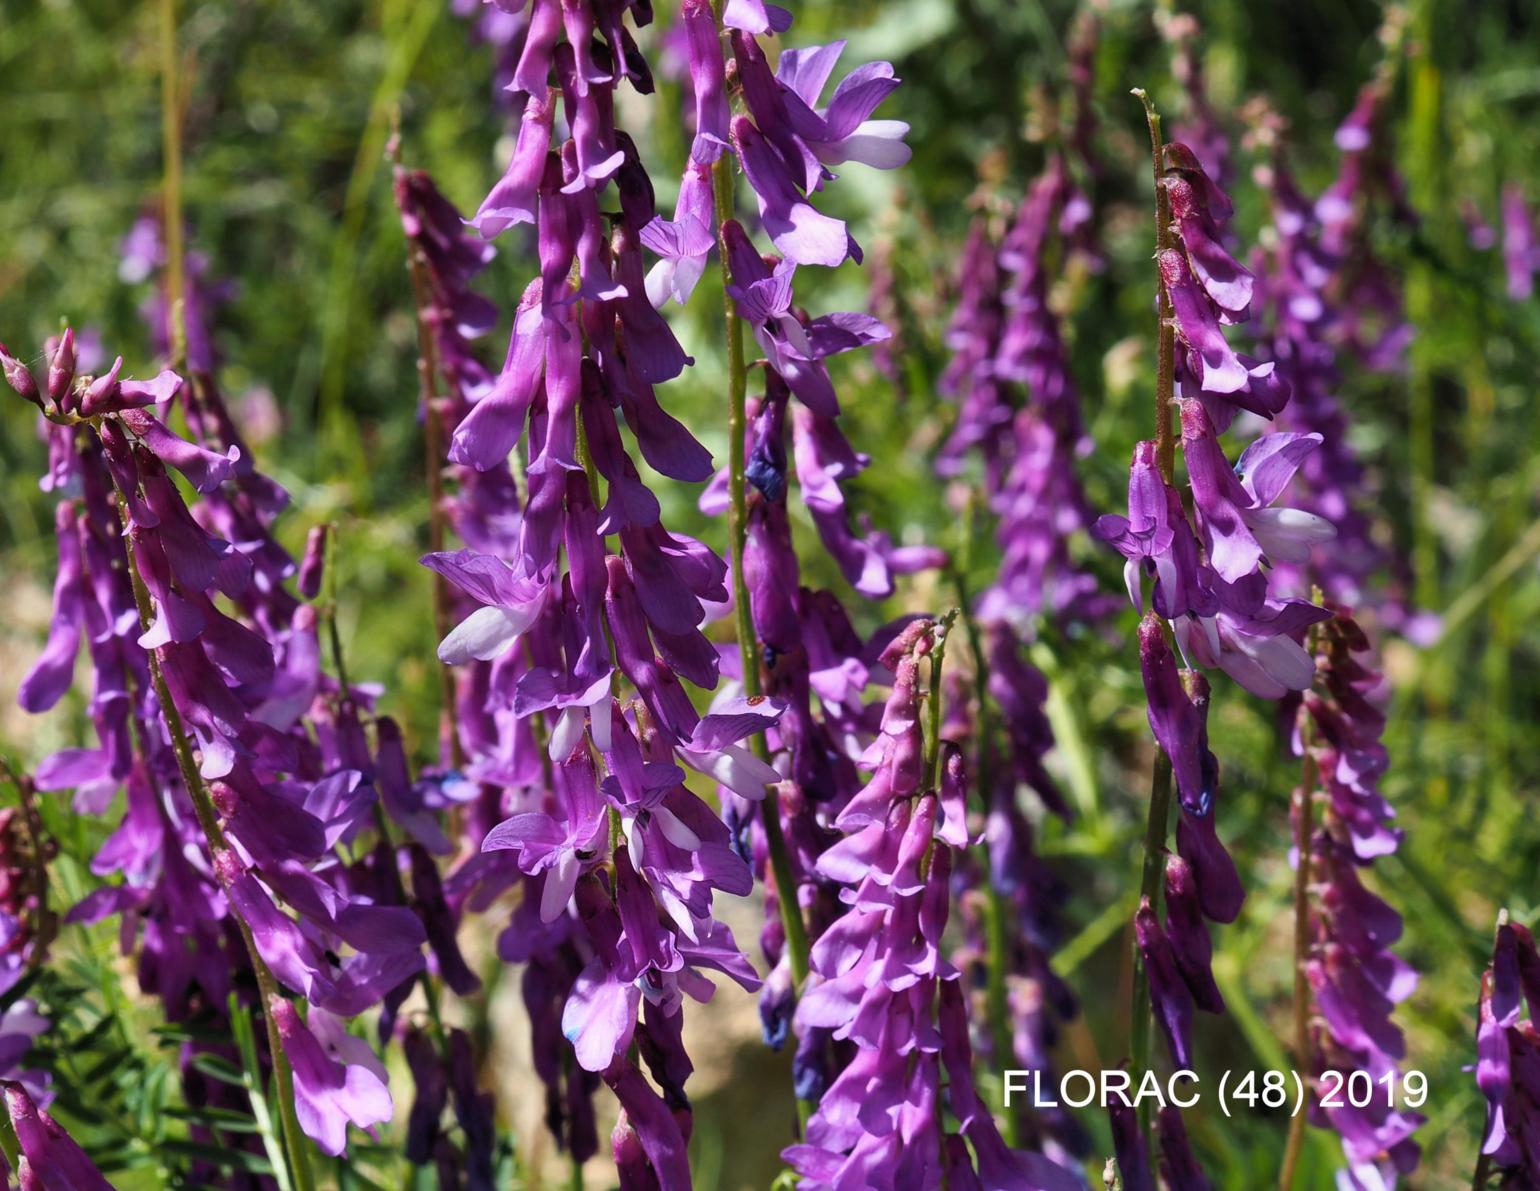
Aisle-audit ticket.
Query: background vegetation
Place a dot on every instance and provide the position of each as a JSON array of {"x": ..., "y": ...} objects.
[{"x": 287, "y": 193}]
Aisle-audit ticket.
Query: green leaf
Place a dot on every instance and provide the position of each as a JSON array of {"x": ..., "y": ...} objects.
[
  {"x": 225, "y": 1159},
  {"x": 220, "y": 1068}
]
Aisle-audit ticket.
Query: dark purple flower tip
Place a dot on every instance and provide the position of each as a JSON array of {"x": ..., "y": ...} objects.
[
  {"x": 1182, "y": 159},
  {"x": 1189, "y": 936},
  {"x": 1170, "y": 998},
  {"x": 1178, "y": 721},
  {"x": 1178, "y": 1164},
  {"x": 1133, "y": 1158},
  {"x": 776, "y": 1002}
]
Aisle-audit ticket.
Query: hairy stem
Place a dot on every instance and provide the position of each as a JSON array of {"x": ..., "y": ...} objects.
[
  {"x": 1165, "y": 369},
  {"x": 1160, "y": 778}
]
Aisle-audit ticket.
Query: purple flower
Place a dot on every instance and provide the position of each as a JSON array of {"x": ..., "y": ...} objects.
[
  {"x": 1241, "y": 531},
  {"x": 842, "y": 131},
  {"x": 1521, "y": 256},
  {"x": 1170, "y": 997},
  {"x": 756, "y": 16},
  {"x": 510, "y": 604},
  {"x": 802, "y": 233},
  {"x": 684, "y": 243},
  {"x": 559, "y": 849},
  {"x": 1252, "y": 638},
  {"x": 335, "y": 1083},
  {"x": 1178, "y": 720},
  {"x": 1178, "y": 1165},
  {"x": 1133, "y": 1157},
  {"x": 1156, "y": 540}
]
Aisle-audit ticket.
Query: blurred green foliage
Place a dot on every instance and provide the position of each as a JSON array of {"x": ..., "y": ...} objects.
[{"x": 287, "y": 192}]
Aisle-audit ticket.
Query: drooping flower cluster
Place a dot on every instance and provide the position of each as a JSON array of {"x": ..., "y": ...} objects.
[
  {"x": 242, "y": 779},
  {"x": 1356, "y": 980},
  {"x": 1018, "y": 407},
  {"x": 1018, "y": 413},
  {"x": 882, "y": 984},
  {"x": 1508, "y": 1056},
  {"x": 1209, "y": 582},
  {"x": 1029, "y": 896},
  {"x": 1303, "y": 337},
  {"x": 561, "y": 617},
  {"x": 1372, "y": 326},
  {"x": 1213, "y": 587},
  {"x": 807, "y": 650}
]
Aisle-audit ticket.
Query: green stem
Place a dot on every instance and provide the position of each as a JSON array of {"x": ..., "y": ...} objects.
[
  {"x": 328, "y": 609},
  {"x": 171, "y": 149},
  {"x": 737, "y": 534},
  {"x": 208, "y": 819},
  {"x": 934, "y": 758}
]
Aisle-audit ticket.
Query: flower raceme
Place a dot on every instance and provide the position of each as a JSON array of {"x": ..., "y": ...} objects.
[
  {"x": 882, "y": 984},
  {"x": 187, "y": 633},
  {"x": 1213, "y": 587},
  {"x": 586, "y": 618}
]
